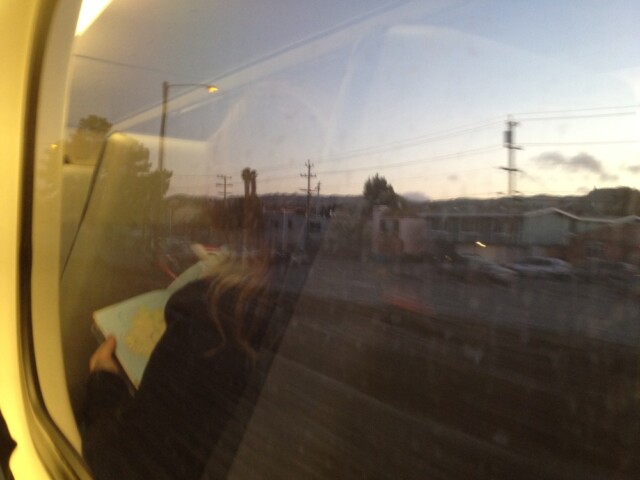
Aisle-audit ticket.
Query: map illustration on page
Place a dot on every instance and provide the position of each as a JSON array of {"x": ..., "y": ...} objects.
[{"x": 138, "y": 322}]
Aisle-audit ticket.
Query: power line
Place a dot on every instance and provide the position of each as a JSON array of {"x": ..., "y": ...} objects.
[
  {"x": 435, "y": 158},
  {"x": 458, "y": 131},
  {"x": 395, "y": 180},
  {"x": 588, "y": 109},
  {"x": 598, "y": 142},
  {"x": 576, "y": 117},
  {"x": 438, "y": 136},
  {"x": 534, "y": 179},
  {"x": 409, "y": 142},
  {"x": 470, "y": 128},
  {"x": 462, "y": 130}
]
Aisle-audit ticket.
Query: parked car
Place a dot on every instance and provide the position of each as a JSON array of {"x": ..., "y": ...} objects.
[
  {"x": 605, "y": 271},
  {"x": 621, "y": 276},
  {"x": 472, "y": 267},
  {"x": 543, "y": 267}
]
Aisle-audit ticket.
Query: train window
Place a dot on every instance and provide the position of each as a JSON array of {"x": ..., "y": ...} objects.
[{"x": 431, "y": 206}]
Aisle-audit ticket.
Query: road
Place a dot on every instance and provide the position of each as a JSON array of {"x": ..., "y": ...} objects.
[
  {"x": 389, "y": 374},
  {"x": 563, "y": 306}
]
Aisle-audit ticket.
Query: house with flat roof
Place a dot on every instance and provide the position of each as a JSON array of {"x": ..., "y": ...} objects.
[
  {"x": 555, "y": 227},
  {"x": 502, "y": 237},
  {"x": 288, "y": 229},
  {"x": 616, "y": 241}
]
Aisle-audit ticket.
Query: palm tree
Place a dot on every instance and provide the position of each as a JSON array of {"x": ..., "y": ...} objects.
[
  {"x": 246, "y": 178},
  {"x": 254, "y": 176}
]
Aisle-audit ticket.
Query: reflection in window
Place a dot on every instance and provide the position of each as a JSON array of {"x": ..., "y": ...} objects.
[{"x": 443, "y": 317}]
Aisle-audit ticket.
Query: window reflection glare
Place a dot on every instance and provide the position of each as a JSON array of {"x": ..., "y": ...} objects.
[{"x": 448, "y": 194}]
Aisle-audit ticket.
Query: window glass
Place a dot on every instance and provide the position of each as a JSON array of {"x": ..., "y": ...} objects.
[{"x": 364, "y": 148}]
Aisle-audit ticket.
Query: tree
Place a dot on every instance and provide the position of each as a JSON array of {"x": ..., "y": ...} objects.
[
  {"x": 86, "y": 141},
  {"x": 128, "y": 193},
  {"x": 252, "y": 215},
  {"x": 81, "y": 148},
  {"x": 377, "y": 191},
  {"x": 614, "y": 202},
  {"x": 136, "y": 190},
  {"x": 246, "y": 178},
  {"x": 253, "y": 179}
]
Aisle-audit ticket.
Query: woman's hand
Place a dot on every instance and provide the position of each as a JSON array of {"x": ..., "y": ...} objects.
[{"x": 103, "y": 358}]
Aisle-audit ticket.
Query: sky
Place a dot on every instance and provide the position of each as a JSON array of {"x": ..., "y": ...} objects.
[{"x": 418, "y": 92}]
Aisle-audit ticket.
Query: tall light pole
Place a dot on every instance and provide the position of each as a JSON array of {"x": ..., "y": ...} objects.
[{"x": 163, "y": 119}]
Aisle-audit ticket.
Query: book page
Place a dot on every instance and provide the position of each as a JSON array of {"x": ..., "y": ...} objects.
[
  {"x": 137, "y": 325},
  {"x": 138, "y": 322}
]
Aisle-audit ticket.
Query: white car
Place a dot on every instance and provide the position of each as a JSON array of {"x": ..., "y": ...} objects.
[
  {"x": 472, "y": 267},
  {"x": 542, "y": 267},
  {"x": 497, "y": 273}
]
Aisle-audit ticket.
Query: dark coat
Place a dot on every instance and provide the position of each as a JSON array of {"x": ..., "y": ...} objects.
[{"x": 168, "y": 429}]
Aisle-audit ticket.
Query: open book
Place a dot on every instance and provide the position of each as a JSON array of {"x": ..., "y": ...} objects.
[{"x": 138, "y": 322}]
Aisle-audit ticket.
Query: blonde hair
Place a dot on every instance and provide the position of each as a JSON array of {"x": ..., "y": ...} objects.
[{"x": 239, "y": 301}]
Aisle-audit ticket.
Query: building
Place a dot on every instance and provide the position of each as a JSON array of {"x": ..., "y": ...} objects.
[
  {"x": 555, "y": 227},
  {"x": 497, "y": 235},
  {"x": 396, "y": 235},
  {"x": 285, "y": 229},
  {"x": 618, "y": 241},
  {"x": 505, "y": 237}
]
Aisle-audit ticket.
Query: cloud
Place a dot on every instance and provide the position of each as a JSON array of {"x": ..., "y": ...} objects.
[
  {"x": 582, "y": 162},
  {"x": 634, "y": 169},
  {"x": 416, "y": 196},
  {"x": 453, "y": 178}
]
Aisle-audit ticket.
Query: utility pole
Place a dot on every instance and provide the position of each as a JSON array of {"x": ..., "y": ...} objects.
[
  {"x": 224, "y": 186},
  {"x": 163, "y": 124},
  {"x": 317, "y": 198},
  {"x": 509, "y": 144},
  {"x": 309, "y": 176},
  {"x": 225, "y": 211},
  {"x": 163, "y": 118}
]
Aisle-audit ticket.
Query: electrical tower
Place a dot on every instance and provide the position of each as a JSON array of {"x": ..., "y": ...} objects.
[
  {"x": 509, "y": 144},
  {"x": 309, "y": 176}
]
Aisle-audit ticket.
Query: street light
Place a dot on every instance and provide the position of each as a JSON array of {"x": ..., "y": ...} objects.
[{"x": 163, "y": 120}]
